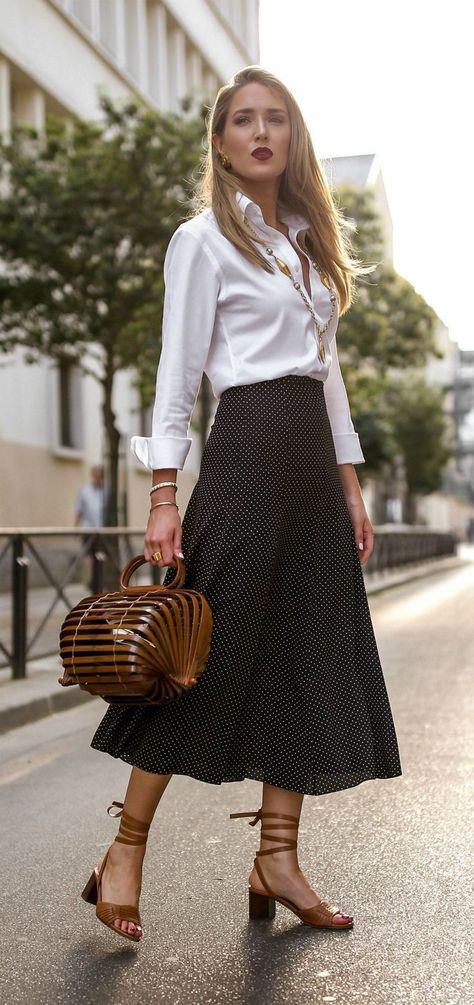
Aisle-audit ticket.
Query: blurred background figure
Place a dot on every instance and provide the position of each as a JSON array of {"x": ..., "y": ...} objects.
[
  {"x": 90, "y": 504},
  {"x": 90, "y": 512}
]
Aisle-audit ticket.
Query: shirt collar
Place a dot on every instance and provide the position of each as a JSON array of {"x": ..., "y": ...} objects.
[{"x": 249, "y": 208}]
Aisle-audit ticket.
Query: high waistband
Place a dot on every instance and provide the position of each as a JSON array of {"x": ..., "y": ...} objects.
[{"x": 296, "y": 379}]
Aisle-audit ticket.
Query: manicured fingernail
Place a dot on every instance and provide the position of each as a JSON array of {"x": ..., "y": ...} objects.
[
  {"x": 180, "y": 553},
  {"x": 360, "y": 546}
]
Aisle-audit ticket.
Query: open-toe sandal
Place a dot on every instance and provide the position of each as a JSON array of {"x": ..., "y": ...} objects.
[
  {"x": 131, "y": 832},
  {"x": 262, "y": 905}
]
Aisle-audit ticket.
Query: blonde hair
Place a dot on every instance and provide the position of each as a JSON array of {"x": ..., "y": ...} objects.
[{"x": 303, "y": 189}]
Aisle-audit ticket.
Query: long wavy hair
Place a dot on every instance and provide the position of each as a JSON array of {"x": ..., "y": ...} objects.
[{"x": 303, "y": 189}]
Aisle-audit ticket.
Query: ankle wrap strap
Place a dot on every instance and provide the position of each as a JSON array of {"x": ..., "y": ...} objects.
[
  {"x": 257, "y": 815},
  {"x": 131, "y": 830},
  {"x": 288, "y": 843}
]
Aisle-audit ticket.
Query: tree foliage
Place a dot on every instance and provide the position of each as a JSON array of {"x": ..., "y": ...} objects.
[
  {"x": 87, "y": 212},
  {"x": 385, "y": 339},
  {"x": 421, "y": 430},
  {"x": 389, "y": 324}
]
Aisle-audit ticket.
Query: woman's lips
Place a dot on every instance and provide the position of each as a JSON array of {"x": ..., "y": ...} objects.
[{"x": 261, "y": 154}]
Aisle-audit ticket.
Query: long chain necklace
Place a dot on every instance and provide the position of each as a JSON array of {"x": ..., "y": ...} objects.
[{"x": 319, "y": 329}]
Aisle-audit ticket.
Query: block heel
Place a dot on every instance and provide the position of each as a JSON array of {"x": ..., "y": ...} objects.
[
  {"x": 89, "y": 893},
  {"x": 261, "y": 907},
  {"x": 131, "y": 832}
]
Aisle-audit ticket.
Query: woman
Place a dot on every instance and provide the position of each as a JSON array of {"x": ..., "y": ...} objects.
[{"x": 275, "y": 531}]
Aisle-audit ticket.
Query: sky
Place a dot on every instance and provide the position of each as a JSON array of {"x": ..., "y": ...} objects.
[{"x": 394, "y": 79}]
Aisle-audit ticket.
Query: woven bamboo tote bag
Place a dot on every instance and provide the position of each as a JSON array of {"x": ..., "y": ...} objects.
[{"x": 143, "y": 645}]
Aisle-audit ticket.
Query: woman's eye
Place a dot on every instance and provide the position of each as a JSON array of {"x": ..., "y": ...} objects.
[{"x": 245, "y": 118}]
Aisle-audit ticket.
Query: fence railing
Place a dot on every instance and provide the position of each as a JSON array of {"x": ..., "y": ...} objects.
[
  {"x": 43, "y": 572},
  {"x": 397, "y": 546}
]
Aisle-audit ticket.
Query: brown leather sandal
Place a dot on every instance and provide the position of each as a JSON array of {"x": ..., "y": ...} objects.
[
  {"x": 131, "y": 831},
  {"x": 262, "y": 906}
]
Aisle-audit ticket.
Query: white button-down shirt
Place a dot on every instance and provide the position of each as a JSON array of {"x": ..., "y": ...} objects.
[{"x": 226, "y": 317}]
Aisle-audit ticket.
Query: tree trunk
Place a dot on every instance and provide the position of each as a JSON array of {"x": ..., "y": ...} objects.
[
  {"x": 112, "y": 437},
  {"x": 111, "y": 480},
  {"x": 410, "y": 508}
]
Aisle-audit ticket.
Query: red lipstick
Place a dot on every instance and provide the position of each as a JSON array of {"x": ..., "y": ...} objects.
[{"x": 262, "y": 153}]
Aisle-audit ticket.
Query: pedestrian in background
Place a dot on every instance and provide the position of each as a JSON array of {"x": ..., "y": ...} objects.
[
  {"x": 90, "y": 500},
  {"x": 90, "y": 511},
  {"x": 276, "y": 531}
]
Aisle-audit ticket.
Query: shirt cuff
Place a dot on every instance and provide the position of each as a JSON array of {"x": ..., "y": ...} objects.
[
  {"x": 161, "y": 451},
  {"x": 348, "y": 449}
]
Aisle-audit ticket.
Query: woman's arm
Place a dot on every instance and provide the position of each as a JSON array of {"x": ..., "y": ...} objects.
[
  {"x": 164, "y": 531},
  {"x": 346, "y": 440},
  {"x": 192, "y": 283},
  {"x": 363, "y": 530},
  {"x": 348, "y": 453}
]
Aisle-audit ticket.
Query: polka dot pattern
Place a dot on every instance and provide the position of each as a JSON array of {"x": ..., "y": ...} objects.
[{"x": 293, "y": 692}]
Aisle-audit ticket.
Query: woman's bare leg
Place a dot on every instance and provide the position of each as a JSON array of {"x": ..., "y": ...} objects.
[
  {"x": 281, "y": 870},
  {"x": 121, "y": 880},
  {"x": 143, "y": 794}
]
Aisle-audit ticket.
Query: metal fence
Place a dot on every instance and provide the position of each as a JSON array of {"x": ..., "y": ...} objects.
[
  {"x": 44, "y": 572},
  {"x": 397, "y": 546}
]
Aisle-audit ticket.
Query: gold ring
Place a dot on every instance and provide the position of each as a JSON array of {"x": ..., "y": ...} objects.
[{"x": 156, "y": 555}]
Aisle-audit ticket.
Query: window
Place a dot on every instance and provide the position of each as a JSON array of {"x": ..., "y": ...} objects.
[
  {"x": 83, "y": 12},
  {"x": 69, "y": 407}
]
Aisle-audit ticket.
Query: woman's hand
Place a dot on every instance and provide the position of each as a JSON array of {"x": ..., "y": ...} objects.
[
  {"x": 163, "y": 533},
  {"x": 363, "y": 530}
]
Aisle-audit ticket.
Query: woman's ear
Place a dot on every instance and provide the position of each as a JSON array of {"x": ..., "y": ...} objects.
[{"x": 217, "y": 142}]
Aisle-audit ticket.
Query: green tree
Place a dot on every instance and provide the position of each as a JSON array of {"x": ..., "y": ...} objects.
[
  {"x": 421, "y": 431},
  {"x": 389, "y": 323},
  {"x": 388, "y": 327},
  {"x": 87, "y": 211},
  {"x": 373, "y": 421}
]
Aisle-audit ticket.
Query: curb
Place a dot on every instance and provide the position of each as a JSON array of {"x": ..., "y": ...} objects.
[{"x": 38, "y": 708}]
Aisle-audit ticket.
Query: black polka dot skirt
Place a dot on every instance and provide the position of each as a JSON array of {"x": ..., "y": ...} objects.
[{"x": 293, "y": 691}]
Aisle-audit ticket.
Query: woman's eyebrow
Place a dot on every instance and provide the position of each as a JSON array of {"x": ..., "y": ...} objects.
[{"x": 252, "y": 109}]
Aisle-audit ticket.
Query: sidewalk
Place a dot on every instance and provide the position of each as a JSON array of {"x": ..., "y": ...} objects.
[{"x": 40, "y": 695}]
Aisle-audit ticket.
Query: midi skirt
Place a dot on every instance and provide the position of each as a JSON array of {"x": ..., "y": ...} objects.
[{"x": 293, "y": 692}]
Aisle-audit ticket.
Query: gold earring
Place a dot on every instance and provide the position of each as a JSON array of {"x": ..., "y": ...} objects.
[{"x": 225, "y": 161}]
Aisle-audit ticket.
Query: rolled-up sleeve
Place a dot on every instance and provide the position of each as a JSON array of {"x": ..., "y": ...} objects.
[
  {"x": 192, "y": 283},
  {"x": 346, "y": 440}
]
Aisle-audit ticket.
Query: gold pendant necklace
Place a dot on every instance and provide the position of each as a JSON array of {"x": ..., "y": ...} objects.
[{"x": 319, "y": 329}]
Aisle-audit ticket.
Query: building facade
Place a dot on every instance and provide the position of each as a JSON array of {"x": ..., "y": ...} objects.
[
  {"x": 56, "y": 56},
  {"x": 463, "y": 411}
]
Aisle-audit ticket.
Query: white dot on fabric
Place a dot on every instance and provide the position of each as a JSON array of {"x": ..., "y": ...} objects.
[{"x": 293, "y": 693}]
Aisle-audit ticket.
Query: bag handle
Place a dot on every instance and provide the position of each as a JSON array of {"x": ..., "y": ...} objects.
[{"x": 139, "y": 560}]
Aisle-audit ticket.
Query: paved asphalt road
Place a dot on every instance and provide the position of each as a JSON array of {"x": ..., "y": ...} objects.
[{"x": 392, "y": 852}]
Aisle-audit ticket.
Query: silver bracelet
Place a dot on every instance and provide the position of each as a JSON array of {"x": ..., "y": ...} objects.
[{"x": 161, "y": 485}]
